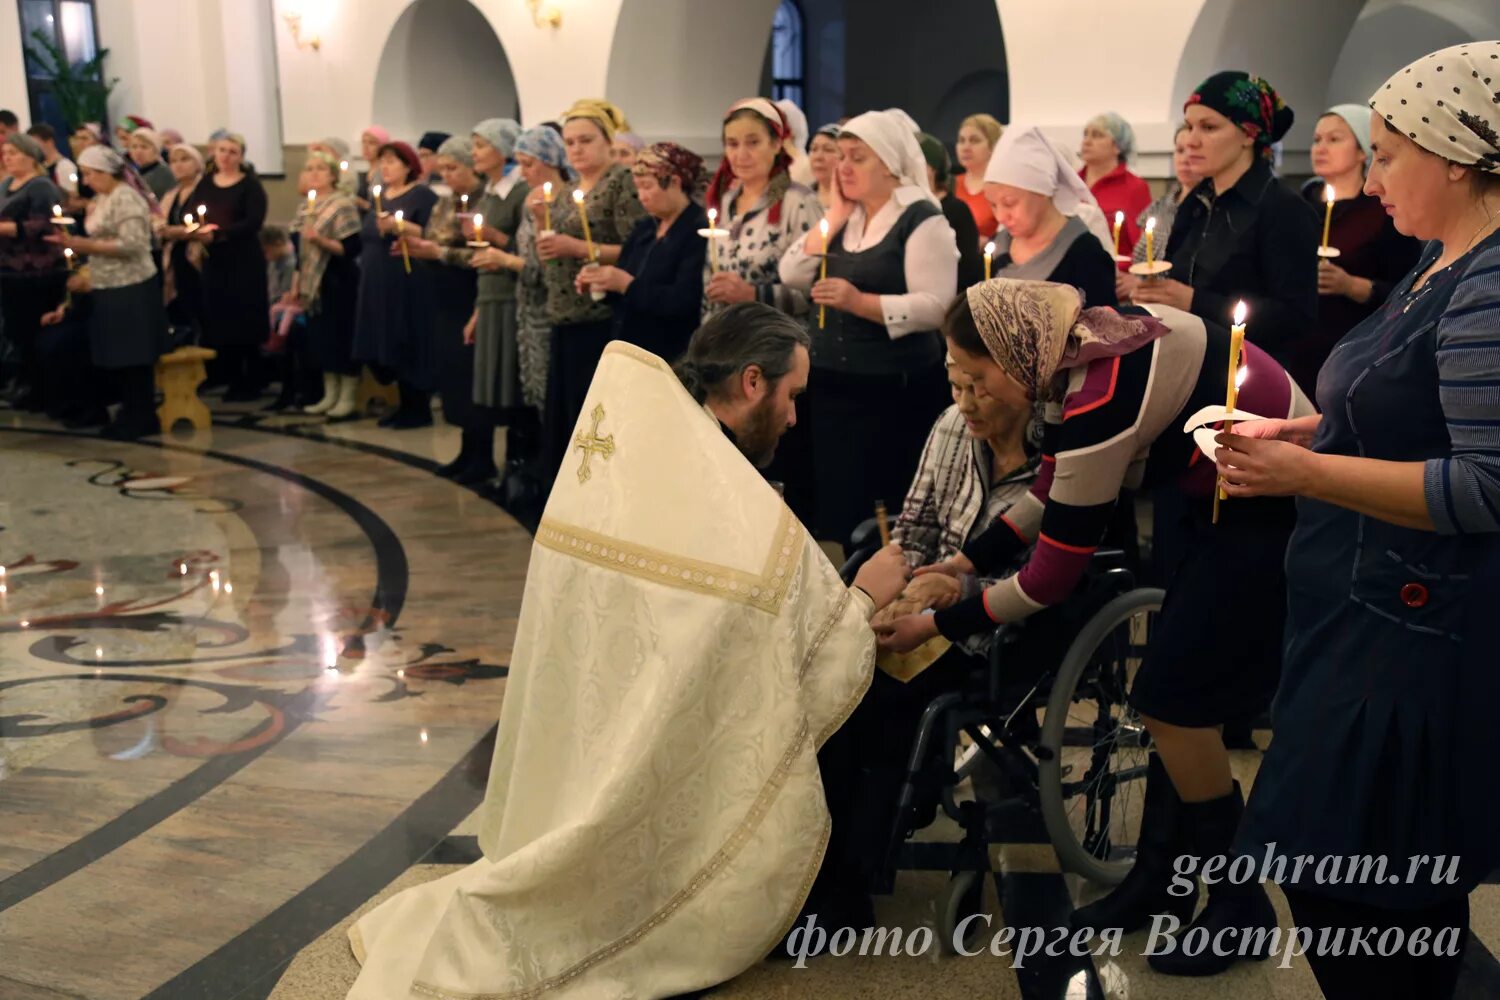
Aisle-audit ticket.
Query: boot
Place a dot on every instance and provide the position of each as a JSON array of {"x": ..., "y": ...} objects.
[
  {"x": 347, "y": 400},
  {"x": 1211, "y": 828},
  {"x": 465, "y": 456},
  {"x": 415, "y": 409},
  {"x": 330, "y": 395},
  {"x": 481, "y": 465},
  {"x": 1143, "y": 893}
]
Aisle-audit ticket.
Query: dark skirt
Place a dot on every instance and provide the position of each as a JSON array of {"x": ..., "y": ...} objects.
[
  {"x": 1215, "y": 652},
  {"x": 394, "y": 323},
  {"x": 236, "y": 301},
  {"x": 330, "y": 330},
  {"x": 497, "y": 364},
  {"x": 575, "y": 353},
  {"x": 866, "y": 434},
  {"x": 128, "y": 326}
]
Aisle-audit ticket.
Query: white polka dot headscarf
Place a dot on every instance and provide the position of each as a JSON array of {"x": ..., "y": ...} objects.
[{"x": 1449, "y": 104}]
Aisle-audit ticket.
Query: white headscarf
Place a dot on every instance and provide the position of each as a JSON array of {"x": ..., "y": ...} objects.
[
  {"x": 905, "y": 119},
  {"x": 1449, "y": 104},
  {"x": 1025, "y": 158},
  {"x": 796, "y": 121},
  {"x": 897, "y": 147}
]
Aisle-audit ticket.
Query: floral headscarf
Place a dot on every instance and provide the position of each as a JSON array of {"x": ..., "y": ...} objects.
[
  {"x": 664, "y": 160},
  {"x": 1036, "y": 329},
  {"x": 1249, "y": 102}
]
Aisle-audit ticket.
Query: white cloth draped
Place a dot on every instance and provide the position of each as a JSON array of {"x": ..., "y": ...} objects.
[{"x": 655, "y": 816}]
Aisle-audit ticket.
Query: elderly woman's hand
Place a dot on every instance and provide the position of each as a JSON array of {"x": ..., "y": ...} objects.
[
  {"x": 604, "y": 278},
  {"x": 835, "y": 293},
  {"x": 418, "y": 248},
  {"x": 727, "y": 288},
  {"x": 1263, "y": 466},
  {"x": 955, "y": 567},
  {"x": 1164, "y": 291},
  {"x": 934, "y": 590},
  {"x": 905, "y": 634}
]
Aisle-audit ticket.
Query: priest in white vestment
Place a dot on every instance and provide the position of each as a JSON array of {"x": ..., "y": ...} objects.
[{"x": 655, "y": 817}]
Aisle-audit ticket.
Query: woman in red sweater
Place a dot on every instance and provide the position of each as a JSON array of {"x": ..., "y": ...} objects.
[{"x": 1108, "y": 141}]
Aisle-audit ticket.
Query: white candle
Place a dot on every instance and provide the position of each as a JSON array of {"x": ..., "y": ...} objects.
[
  {"x": 713, "y": 241},
  {"x": 312, "y": 200},
  {"x": 202, "y": 211},
  {"x": 1119, "y": 222},
  {"x": 1329, "y": 195},
  {"x": 823, "y": 271},
  {"x": 57, "y": 211},
  {"x": 478, "y": 227},
  {"x": 1150, "y": 239}
]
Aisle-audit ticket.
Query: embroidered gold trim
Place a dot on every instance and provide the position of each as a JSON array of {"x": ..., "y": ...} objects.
[
  {"x": 721, "y": 859},
  {"x": 765, "y": 591}
]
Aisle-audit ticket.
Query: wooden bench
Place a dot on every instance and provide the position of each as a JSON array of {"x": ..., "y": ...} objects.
[{"x": 178, "y": 376}]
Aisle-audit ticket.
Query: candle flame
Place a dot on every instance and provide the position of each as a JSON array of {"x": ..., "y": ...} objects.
[
  {"x": 989, "y": 249},
  {"x": 547, "y": 190},
  {"x": 67, "y": 251},
  {"x": 713, "y": 215},
  {"x": 1119, "y": 218},
  {"x": 187, "y": 220},
  {"x": 1240, "y": 310},
  {"x": 478, "y": 223},
  {"x": 578, "y": 195},
  {"x": 823, "y": 227},
  {"x": 202, "y": 209},
  {"x": 343, "y": 164},
  {"x": 1328, "y": 193},
  {"x": 1151, "y": 224},
  {"x": 57, "y": 210},
  {"x": 376, "y": 190},
  {"x": 399, "y": 215}
]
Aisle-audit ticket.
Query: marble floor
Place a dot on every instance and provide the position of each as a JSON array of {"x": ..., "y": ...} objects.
[{"x": 248, "y": 688}]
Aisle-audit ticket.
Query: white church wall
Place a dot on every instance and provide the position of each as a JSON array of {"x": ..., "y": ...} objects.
[
  {"x": 13, "y": 93},
  {"x": 1391, "y": 33}
]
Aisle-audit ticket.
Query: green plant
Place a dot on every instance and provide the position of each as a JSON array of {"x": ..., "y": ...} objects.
[{"x": 81, "y": 90}]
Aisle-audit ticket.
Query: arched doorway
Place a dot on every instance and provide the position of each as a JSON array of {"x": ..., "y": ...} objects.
[{"x": 442, "y": 68}]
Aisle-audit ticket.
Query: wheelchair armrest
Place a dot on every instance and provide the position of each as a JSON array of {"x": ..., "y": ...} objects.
[{"x": 865, "y": 534}]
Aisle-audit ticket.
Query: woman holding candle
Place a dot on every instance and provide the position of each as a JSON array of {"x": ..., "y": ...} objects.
[
  {"x": 977, "y": 138},
  {"x": 327, "y": 283},
  {"x": 144, "y": 148},
  {"x": 1241, "y": 234},
  {"x": 127, "y": 324},
  {"x": 1039, "y": 200},
  {"x": 822, "y": 161},
  {"x": 892, "y": 268},
  {"x": 182, "y": 258},
  {"x": 454, "y": 289},
  {"x": 594, "y": 227},
  {"x": 393, "y": 328},
  {"x": 1117, "y": 390},
  {"x": 763, "y": 209},
  {"x": 1163, "y": 209},
  {"x": 1373, "y": 255},
  {"x": 235, "y": 302},
  {"x": 1383, "y": 746},
  {"x": 656, "y": 289},
  {"x": 1108, "y": 141},
  {"x": 31, "y": 271},
  {"x": 370, "y": 141}
]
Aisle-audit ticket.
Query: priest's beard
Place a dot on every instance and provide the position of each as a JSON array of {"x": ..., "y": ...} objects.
[{"x": 762, "y": 430}]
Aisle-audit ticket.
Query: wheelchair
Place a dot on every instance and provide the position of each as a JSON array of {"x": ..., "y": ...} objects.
[{"x": 1082, "y": 768}]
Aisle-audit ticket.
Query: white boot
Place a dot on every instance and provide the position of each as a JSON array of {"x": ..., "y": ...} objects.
[
  {"x": 348, "y": 401},
  {"x": 330, "y": 395}
]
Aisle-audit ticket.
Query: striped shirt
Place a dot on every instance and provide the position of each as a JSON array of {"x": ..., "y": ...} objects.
[{"x": 1462, "y": 489}]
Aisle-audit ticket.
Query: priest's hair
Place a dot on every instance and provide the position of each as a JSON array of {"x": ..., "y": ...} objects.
[{"x": 734, "y": 339}]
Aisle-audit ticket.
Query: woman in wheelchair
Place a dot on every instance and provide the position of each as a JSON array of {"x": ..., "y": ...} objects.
[{"x": 1117, "y": 390}]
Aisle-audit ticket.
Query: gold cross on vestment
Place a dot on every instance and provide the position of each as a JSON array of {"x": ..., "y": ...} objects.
[{"x": 592, "y": 444}]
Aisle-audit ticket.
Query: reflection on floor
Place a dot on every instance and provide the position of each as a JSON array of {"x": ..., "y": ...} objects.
[{"x": 248, "y": 687}]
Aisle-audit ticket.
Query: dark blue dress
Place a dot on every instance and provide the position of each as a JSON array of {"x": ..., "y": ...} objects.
[
  {"x": 395, "y": 320},
  {"x": 660, "y": 309},
  {"x": 1383, "y": 725}
]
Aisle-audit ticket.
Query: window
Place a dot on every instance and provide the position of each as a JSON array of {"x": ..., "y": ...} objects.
[
  {"x": 67, "y": 99},
  {"x": 788, "y": 54}
]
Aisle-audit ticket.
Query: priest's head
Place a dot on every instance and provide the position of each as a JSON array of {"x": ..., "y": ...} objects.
[{"x": 748, "y": 364}]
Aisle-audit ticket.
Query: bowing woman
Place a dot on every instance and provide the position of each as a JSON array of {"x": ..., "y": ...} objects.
[
  {"x": 878, "y": 361},
  {"x": 127, "y": 323},
  {"x": 657, "y": 285},
  {"x": 581, "y": 325},
  {"x": 1241, "y": 234},
  {"x": 235, "y": 296},
  {"x": 1382, "y": 746},
  {"x": 765, "y": 211},
  {"x": 1117, "y": 390},
  {"x": 394, "y": 322},
  {"x": 327, "y": 283}
]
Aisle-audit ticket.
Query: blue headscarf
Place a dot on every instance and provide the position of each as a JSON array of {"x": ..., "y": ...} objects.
[
  {"x": 500, "y": 133},
  {"x": 546, "y": 145}
]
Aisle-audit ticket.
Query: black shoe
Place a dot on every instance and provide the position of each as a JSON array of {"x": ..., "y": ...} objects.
[
  {"x": 1246, "y": 908},
  {"x": 242, "y": 394},
  {"x": 1143, "y": 893},
  {"x": 408, "y": 421},
  {"x": 476, "y": 473},
  {"x": 80, "y": 421},
  {"x": 453, "y": 468}
]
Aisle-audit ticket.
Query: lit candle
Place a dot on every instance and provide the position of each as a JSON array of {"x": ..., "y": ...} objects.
[
  {"x": 479, "y": 229},
  {"x": 823, "y": 271},
  {"x": 68, "y": 256},
  {"x": 1328, "y": 196},
  {"x": 1150, "y": 240},
  {"x": 343, "y": 166},
  {"x": 463, "y": 203},
  {"x": 583, "y": 216},
  {"x": 312, "y": 201},
  {"x": 401, "y": 237},
  {"x": 375, "y": 193},
  {"x": 67, "y": 303},
  {"x": 713, "y": 241},
  {"x": 547, "y": 207},
  {"x": 202, "y": 213},
  {"x": 1232, "y": 391},
  {"x": 1119, "y": 223},
  {"x": 188, "y": 223},
  {"x": 57, "y": 211},
  {"x": 989, "y": 255}
]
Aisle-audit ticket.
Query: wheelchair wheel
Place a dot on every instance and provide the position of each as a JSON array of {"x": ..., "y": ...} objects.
[{"x": 1094, "y": 748}]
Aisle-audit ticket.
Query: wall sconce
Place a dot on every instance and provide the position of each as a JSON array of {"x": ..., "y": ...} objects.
[
  {"x": 294, "y": 25},
  {"x": 544, "y": 17}
]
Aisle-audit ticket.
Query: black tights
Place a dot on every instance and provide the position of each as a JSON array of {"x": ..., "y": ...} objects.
[{"x": 1400, "y": 976}]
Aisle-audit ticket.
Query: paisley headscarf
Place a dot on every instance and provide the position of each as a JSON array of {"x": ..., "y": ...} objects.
[
  {"x": 664, "y": 160},
  {"x": 543, "y": 143},
  {"x": 1036, "y": 329},
  {"x": 607, "y": 116},
  {"x": 1249, "y": 102},
  {"x": 1449, "y": 104}
]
